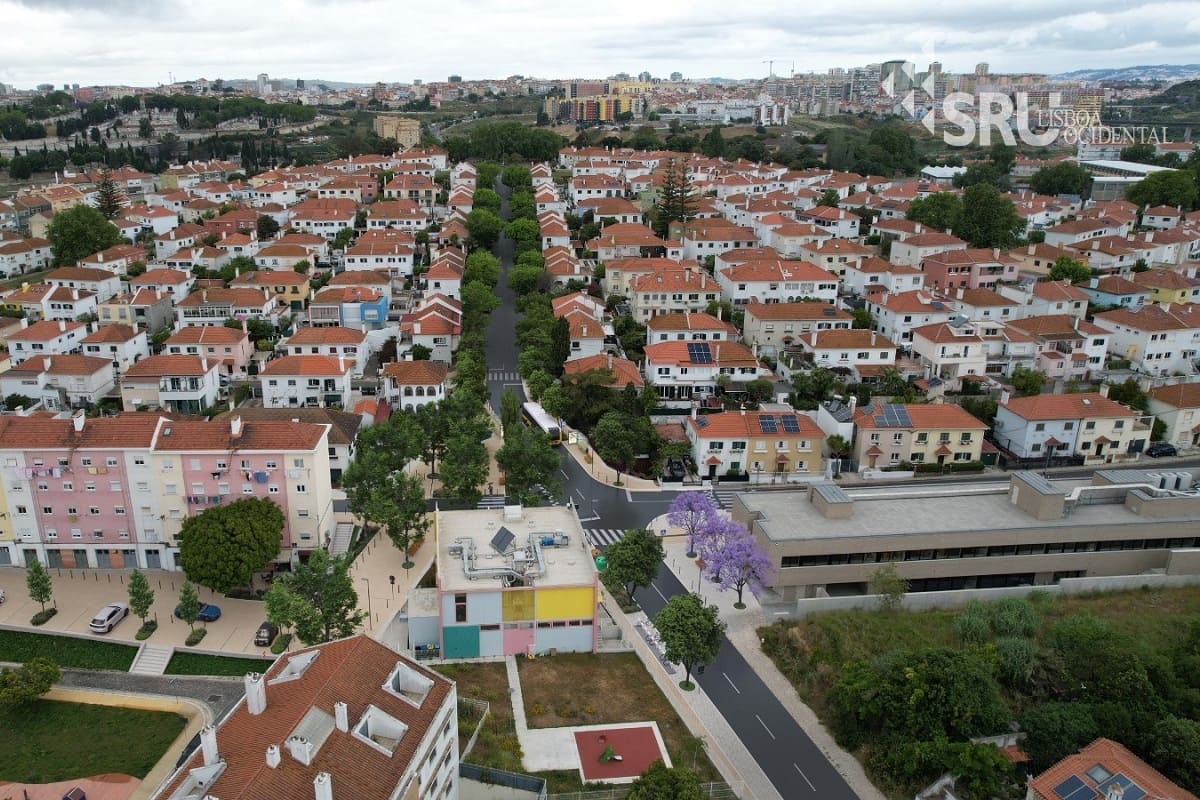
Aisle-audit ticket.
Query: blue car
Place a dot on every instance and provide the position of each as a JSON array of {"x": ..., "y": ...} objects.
[{"x": 208, "y": 613}]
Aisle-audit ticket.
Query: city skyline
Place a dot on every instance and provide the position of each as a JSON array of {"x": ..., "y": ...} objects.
[{"x": 121, "y": 42}]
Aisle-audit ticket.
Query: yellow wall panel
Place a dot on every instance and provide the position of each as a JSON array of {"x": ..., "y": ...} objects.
[
  {"x": 566, "y": 603},
  {"x": 517, "y": 604}
]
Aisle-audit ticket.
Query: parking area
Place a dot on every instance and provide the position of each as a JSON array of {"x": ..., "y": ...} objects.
[{"x": 79, "y": 594}]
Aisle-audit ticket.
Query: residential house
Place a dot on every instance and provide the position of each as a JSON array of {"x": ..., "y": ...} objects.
[
  {"x": 388, "y": 251},
  {"x": 290, "y": 288},
  {"x": 122, "y": 345},
  {"x": 912, "y": 250},
  {"x": 1068, "y": 347},
  {"x": 709, "y": 237},
  {"x": 586, "y": 334},
  {"x": 41, "y": 301},
  {"x": 307, "y": 380},
  {"x": 984, "y": 304},
  {"x": 343, "y": 429},
  {"x": 367, "y": 279},
  {"x": 623, "y": 371},
  {"x": 950, "y": 351},
  {"x": 836, "y": 256},
  {"x": 215, "y": 306},
  {"x": 619, "y": 273},
  {"x": 349, "y": 306},
  {"x": 672, "y": 291},
  {"x": 46, "y": 337},
  {"x": 1158, "y": 339},
  {"x": 874, "y": 274},
  {"x": 435, "y": 324},
  {"x": 60, "y": 382},
  {"x": 325, "y": 217},
  {"x": 284, "y": 257},
  {"x": 1168, "y": 286},
  {"x": 23, "y": 255},
  {"x": 335, "y": 341},
  {"x": 1177, "y": 405},
  {"x": 187, "y": 384},
  {"x": 143, "y": 308},
  {"x": 896, "y": 314},
  {"x": 1087, "y": 425},
  {"x": 767, "y": 446},
  {"x": 230, "y": 348},
  {"x": 99, "y": 282},
  {"x": 838, "y": 222},
  {"x": 862, "y": 354},
  {"x": 617, "y": 209},
  {"x": 1113, "y": 290},
  {"x": 171, "y": 282},
  {"x": 186, "y": 235},
  {"x": 776, "y": 282},
  {"x": 1104, "y": 769},
  {"x": 1083, "y": 229},
  {"x": 399, "y": 214},
  {"x": 1038, "y": 259},
  {"x": 688, "y": 326},
  {"x": 968, "y": 269},
  {"x": 683, "y": 371},
  {"x": 890, "y": 434},
  {"x": 408, "y": 385},
  {"x": 1047, "y": 297},
  {"x": 629, "y": 241},
  {"x": 772, "y": 327}
]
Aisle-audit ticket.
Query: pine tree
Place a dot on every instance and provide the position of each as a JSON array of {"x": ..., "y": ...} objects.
[
  {"x": 676, "y": 199},
  {"x": 108, "y": 199}
]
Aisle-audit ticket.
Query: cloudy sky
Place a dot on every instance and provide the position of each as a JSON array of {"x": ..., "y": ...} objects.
[{"x": 140, "y": 43}]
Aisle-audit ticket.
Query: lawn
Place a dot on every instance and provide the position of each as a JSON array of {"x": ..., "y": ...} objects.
[
  {"x": 184, "y": 663},
  {"x": 586, "y": 689},
  {"x": 497, "y": 745},
  {"x": 51, "y": 741},
  {"x": 66, "y": 651}
]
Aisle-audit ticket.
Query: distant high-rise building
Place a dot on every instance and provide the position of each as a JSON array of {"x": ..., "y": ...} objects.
[
  {"x": 644, "y": 77},
  {"x": 66, "y": 87},
  {"x": 262, "y": 85},
  {"x": 676, "y": 76},
  {"x": 455, "y": 79},
  {"x": 935, "y": 68},
  {"x": 897, "y": 75},
  {"x": 981, "y": 69},
  {"x": 299, "y": 83},
  {"x": 45, "y": 87},
  {"x": 405, "y": 130}
]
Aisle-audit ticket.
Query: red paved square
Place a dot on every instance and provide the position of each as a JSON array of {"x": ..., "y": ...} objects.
[{"x": 638, "y": 748}]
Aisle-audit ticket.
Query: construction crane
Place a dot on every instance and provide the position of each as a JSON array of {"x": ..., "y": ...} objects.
[{"x": 770, "y": 62}]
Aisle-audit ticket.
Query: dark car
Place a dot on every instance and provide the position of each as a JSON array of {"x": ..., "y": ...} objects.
[
  {"x": 266, "y": 634},
  {"x": 1159, "y": 449},
  {"x": 208, "y": 613}
]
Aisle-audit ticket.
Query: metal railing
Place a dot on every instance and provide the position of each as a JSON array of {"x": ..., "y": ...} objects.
[{"x": 500, "y": 777}]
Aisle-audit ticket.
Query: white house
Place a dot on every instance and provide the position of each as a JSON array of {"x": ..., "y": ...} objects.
[
  {"x": 46, "y": 337},
  {"x": 60, "y": 382},
  {"x": 865, "y": 353},
  {"x": 1158, "y": 339},
  {"x": 307, "y": 380},
  {"x": 328, "y": 340},
  {"x": 950, "y": 351},
  {"x": 681, "y": 371},
  {"x": 1178, "y": 406},
  {"x": 1087, "y": 425},
  {"x": 776, "y": 282},
  {"x": 182, "y": 383},
  {"x": 407, "y": 385},
  {"x": 122, "y": 345},
  {"x": 895, "y": 315}
]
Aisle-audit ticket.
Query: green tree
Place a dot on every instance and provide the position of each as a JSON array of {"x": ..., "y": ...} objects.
[
  {"x": 223, "y": 546},
  {"x": 278, "y": 605},
  {"x": 615, "y": 440},
  {"x": 483, "y": 267},
  {"x": 527, "y": 458},
  {"x": 38, "y": 583},
  {"x": 1175, "y": 750},
  {"x": 538, "y": 381},
  {"x": 1056, "y": 730},
  {"x": 398, "y": 505},
  {"x": 1129, "y": 393},
  {"x": 644, "y": 138},
  {"x": 713, "y": 143},
  {"x": 886, "y": 582},
  {"x": 487, "y": 199},
  {"x": 78, "y": 232},
  {"x": 839, "y": 446},
  {"x": 862, "y": 319},
  {"x": 323, "y": 604},
  {"x": 516, "y": 177},
  {"x": 484, "y": 228},
  {"x": 266, "y": 227},
  {"x": 465, "y": 467},
  {"x": 691, "y": 633},
  {"x": 24, "y": 685},
  {"x": 660, "y": 782},
  {"x": 1176, "y": 187},
  {"x": 1068, "y": 269},
  {"x": 145, "y": 128},
  {"x": 677, "y": 200},
  {"x": 989, "y": 219},
  {"x": 188, "y": 608},
  {"x": 141, "y": 596},
  {"x": 941, "y": 211},
  {"x": 108, "y": 199},
  {"x": 524, "y": 279},
  {"x": 525, "y": 234},
  {"x": 829, "y": 198},
  {"x": 510, "y": 410},
  {"x": 1065, "y": 177},
  {"x": 811, "y": 388},
  {"x": 633, "y": 560},
  {"x": 560, "y": 345},
  {"x": 1027, "y": 382}
]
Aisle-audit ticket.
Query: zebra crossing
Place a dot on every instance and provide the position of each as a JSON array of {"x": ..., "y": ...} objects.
[
  {"x": 491, "y": 501},
  {"x": 603, "y": 537},
  {"x": 509, "y": 376},
  {"x": 723, "y": 497}
]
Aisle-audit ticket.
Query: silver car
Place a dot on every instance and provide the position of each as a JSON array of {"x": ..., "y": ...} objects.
[{"x": 107, "y": 618}]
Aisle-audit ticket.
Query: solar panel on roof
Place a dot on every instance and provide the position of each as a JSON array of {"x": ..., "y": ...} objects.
[
  {"x": 1130, "y": 790},
  {"x": 902, "y": 417},
  {"x": 1085, "y": 792},
  {"x": 502, "y": 540},
  {"x": 767, "y": 423},
  {"x": 790, "y": 423},
  {"x": 701, "y": 422},
  {"x": 1067, "y": 787}
]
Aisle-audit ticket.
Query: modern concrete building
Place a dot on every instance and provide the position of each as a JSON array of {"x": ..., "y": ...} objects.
[{"x": 1033, "y": 532}]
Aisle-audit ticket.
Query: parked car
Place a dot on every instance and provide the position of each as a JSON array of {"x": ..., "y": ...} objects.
[
  {"x": 208, "y": 613},
  {"x": 266, "y": 634},
  {"x": 107, "y": 618},
  {"x": 1159, "y": 449}
]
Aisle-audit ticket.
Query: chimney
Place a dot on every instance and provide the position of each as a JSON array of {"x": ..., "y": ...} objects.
[
  {"x": 1004, "y": 397},
  {"x": 996, "y": 253},
  {"x": 273, "y": 756},
  {"x": 1031, "y": 249},
  {"x": 208, "y": 745},
  {"x": 341, "y": 716},
  {"x": 235, "y": 427},
  {"x": 77, "y": 422},
  {"x": 47, "y": 362},
  {"x": 62, "y": 326},
  {"x": 853, "y": 402},
  {"x": 256, "y": 693},
  {"x": 1093, "y": 283},
  {"x": 300, "y": 749},
  {"x": 610, "y": 360},
  {"x": 323, "y": 786},
  {"x": 74, "y": 294},
  {"x": 693, "y": 409},
  {"x": 1104, "y": 387}
]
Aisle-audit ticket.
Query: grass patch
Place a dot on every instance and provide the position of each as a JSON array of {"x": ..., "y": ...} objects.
[
  {"x": 497, "y": 745},
  {"x": 146, "y": 630},
  {"x": 183, "y": 663},
  {"x": 53, "y": 741},
  {"x": 42, "y": 617},
  {"x": 609, "y": 688},
  {"x": 281, "y": 643},
  {"x": 66, "y": 651}
]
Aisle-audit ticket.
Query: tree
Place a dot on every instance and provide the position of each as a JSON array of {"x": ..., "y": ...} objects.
[
  {"x": 465, "y": 467},
  {"x": 644, "y": 138},
  {"x": 188, "y": 608},
  {"x": 713, "y": 143},
  {"x": 660, "y": 782},
  {"x": 829, "y": 198},
  {"x": 676, "y": 199},
  {"x": 24, "y": 685},
  {"x": 145, "y": 128},
  {"x": 1175, "y": 750},
  {"x": 108, "y": 198},
  {"x": 691, "y": 511},
  {"x": 1056, "y": 730},
  {"x": 989, "y": 219},
  {"x": 1068, "y": 269},
  {"x": 524, "y": 279},
  {"x": 1027, "y": 382},
  {"x": 1175, "y": 187},
  {"x": 398, "y": 504},
  {"x": 278, "y": 605},
  {"x": 141, "y": 596},
  {"x": 38, "y": 583},
  {"x": 838, "y": 446},
  {"x": 691, "y": 633},
  {"x": 1065, "y": 177},
  {"x": 266, "y": 227},
  {"x": 1129, "y": 393},
  {"x": 941, "y": 211},
  {"x": 482, "y": 266},
  {"x": 484, "y": 227},
  {"x": 633, "y": 560},
  {"x": 739, "y": 563},
  {"x": 223, "y": 546},
  {"x": 78, "y": 232},
  {"x": 527, "y": 458},
  {"x": 516, "y": 176},
  {"x": 318, "y": 599},
  {"x": 810, "y": 389},
  {"x": 510, "y": 410},
  {"x": 526, "y": 235},
  {"x": 886, "y": 582},
  {"x": 615, "y": 440},
  {"x": 487, "y": 199}
]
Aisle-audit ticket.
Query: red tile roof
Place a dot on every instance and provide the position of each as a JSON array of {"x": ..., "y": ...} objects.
[
  {"x": 162, "y": 364},
  {"x": 1067, "y": 406},
  {"x": 623, "y": 370},
  {"x": 308, "y": 365},
  {"x": 923, "y": 417},
  {"x": 746, "y": 423},
  {"x": 1115, "y": 759},
  {"x": 412, "y": 373}
]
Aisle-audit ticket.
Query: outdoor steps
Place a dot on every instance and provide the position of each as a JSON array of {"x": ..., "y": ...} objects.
[
  {"x": 152, "y": 659},
  {"x": 341, "y": 538}
]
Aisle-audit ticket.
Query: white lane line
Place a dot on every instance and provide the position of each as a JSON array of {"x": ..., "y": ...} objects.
[
  {"x": 765, "y": 728},
  {"x": 564, "y": 474},
  {"x": 578, "y": 492},
  {"x": 664, "y": 597},
  {"x": 735, "y": 688},
  {"x": 802, "y": 775}
]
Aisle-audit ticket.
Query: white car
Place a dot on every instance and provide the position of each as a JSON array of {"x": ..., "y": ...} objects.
[{"x": 107, "y": 618}]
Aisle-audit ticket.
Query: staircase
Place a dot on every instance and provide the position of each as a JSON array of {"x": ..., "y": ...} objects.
[
  {"x": 342, "y": 535},
  {"x": 151, "y": 659}
]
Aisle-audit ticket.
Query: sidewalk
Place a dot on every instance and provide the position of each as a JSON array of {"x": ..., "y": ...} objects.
[
  {"x": 742, "y": 632},
  {"x": 587, "y": 458}
]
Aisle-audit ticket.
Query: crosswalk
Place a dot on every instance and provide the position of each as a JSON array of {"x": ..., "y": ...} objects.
[
  {"x": 510, "y": 376},
  {"x": 603, "y": 537},
  {"x": 723, "y": 497},
  {"x": 491, "y": 501}
]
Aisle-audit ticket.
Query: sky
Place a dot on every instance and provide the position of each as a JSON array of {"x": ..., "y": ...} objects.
[{"x": 98, "y": 42}]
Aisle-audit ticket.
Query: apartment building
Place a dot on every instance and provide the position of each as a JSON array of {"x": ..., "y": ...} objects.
[
  {"x": 766, "y": 446},
  {"x": 230, "y": 348},
  {"x": 1157, "y": 339},
  {"x": 186, "y": 384},
  {"x": 889, "y": 434},
  {"x": 771, "y": 327},
  {"x": 1087, "y": 425}
]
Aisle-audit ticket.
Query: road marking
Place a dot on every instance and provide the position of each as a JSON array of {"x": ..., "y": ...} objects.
[
  {"x": 628, "y": 496},
  {"x": 578, "y": 492},
  {"x": 664, "y": 597},
  {"x": 735, "y": 688},
  {"x": 765, "y": 728},
  {"x": 802, "y": 775},
  {"x": 564, "y": 474}
]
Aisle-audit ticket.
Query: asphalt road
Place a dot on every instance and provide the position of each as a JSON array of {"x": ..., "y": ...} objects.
[
  {"x": 500, "y": 347},
  {"x": 791, "y": 760}
]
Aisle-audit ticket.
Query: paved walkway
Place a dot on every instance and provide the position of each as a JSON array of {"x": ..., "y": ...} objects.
[{"x": 603, "y": 473}]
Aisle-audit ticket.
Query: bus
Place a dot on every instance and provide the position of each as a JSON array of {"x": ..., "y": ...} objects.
[{"x": 537, "y": 417}]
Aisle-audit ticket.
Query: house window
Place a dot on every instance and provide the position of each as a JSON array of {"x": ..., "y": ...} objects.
[
  {"x": 1041, "y": 426},
  {"x": 272, "y": 490},
  {"x": 247, "y": 488},
  {"x": 460, "y": 608},
  {"x": 87, "y": 462},
  {"x": 170, "y": 488},
  {"x": 301, "y": 488},
  {"x": 111, "y": 461},
  {"x": 119, "y": 510},
  {"x": 298, "y": 463},
  {"x": 114, "y": 486},
  {"x": 90, "y": 486}
]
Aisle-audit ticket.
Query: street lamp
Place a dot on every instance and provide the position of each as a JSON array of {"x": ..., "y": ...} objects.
[{"x": 370, "y": 613}]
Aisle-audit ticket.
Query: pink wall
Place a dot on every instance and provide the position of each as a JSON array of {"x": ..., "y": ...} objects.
[
  {"x": 201, "y": 476},
  {"x": 79, "y": 477}
]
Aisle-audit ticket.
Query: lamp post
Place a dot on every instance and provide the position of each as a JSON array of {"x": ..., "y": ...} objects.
[{"x": 370, "y": 612}]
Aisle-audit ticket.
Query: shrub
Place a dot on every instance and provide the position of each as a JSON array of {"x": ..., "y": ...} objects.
[
  {"x": 1012, "y": 617},
  {"x": 149, "y": 627},
  {"x": 1017, "y": 656},
  {"x": 195, "y": 637},
  {"x": 281, "y": 643},
  {"x": 971, "y": 624},
  {"x": 42, "y": 617}
]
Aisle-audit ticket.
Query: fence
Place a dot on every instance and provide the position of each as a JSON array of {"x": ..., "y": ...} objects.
[
  {"x": 713, "y": 791},
  {"x": 500, "y": 777},
  {"x": 483, "y": 708}
]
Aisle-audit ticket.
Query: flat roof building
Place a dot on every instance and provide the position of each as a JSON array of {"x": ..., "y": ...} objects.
[{"x": 1034, "y": 531}]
